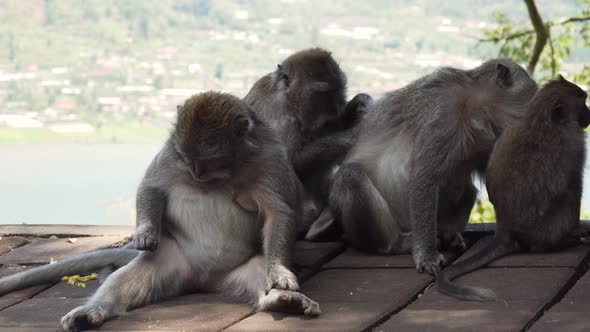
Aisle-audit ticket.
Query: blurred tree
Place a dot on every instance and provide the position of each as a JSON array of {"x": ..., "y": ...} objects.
[
  {"x": 159, "y": 82},
  {"x": 144, "y": 27},
  {"x": 11, "y": 47},
  {"x": 219, "y": 71},
  {"x": 49, "y": 12},
  {"x": 529, "y": 44}
]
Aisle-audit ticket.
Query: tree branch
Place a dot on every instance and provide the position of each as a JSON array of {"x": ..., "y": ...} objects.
[
  {"x": 508, "y": 37},
  {"x": 571, "y": 20},
  {"x": 553, "y": 64},
  {"x": 540, "y": 31}
]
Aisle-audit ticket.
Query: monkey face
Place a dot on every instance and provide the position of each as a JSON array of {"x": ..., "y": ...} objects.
[
  {"x": 212, "y": 137},
  {"x": 584, "y": 117},
  {"x": 564, "y": 101},
  {"x": 314, "y": 87}
]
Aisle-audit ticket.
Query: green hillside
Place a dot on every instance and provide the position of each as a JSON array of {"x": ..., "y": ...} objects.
[{"x": 64, "y": 55}]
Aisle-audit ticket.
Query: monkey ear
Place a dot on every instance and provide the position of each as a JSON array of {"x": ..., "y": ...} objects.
[
  {"x": 503, "y": 78},
  {"x": 320, "y": 87},
  {"x": 280, "y": 67},
  {"x": 561, "y": 78},
  {"x": 243, "y": 126},
  {"x": 178, "y": 108}
]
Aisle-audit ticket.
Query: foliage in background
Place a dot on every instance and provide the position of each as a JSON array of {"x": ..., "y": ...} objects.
[
  {"x": 547, "y": 43},
  {"x": 483, "y": 212}
]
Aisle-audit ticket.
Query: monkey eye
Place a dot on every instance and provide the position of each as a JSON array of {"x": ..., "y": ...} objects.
[
  {"x": 243, "y": 126},
  {"x": 285, "y": 78}
]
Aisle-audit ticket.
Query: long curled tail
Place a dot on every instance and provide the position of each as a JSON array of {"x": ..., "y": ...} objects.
[
  {"x": 52, "y": 273},
  {"x": 495, "y": 247}
]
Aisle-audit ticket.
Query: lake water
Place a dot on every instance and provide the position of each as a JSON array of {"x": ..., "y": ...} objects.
[
  {"x": 71, "y": 183},
  {"x": 92, "y": 184}
]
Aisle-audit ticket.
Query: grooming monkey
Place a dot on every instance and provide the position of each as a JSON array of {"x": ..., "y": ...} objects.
[
  {"x": 304, "y": 100},
  {"x": 219, "y": 204},
  {"x": 408, "y": 178},
  {"x": 534, "y": 180}
]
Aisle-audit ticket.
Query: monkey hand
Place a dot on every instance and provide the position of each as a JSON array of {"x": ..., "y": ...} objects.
[
  {"x": 146, "y": 237},
  {"x": 279, "y": 277},
  {"x": 429, "y": 262}
]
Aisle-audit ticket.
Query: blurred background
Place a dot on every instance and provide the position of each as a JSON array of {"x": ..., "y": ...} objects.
[{"x": 88, "y": 89}]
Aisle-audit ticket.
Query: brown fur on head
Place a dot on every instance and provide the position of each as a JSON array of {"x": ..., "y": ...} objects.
[
  {"x": 213, "y": 134},
  {"x": 560, "y": 102},
  {"x": 314, "y": 86},
  {"x": 210, "y": 109}
]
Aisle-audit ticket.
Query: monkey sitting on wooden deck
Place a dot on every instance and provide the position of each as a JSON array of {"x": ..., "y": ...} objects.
[
  {"x": 408, "y": 176},
  {"x": 218, "y": 206},
  {"x": 534, "y": 180},
  {"x": 304, "y": 101}
]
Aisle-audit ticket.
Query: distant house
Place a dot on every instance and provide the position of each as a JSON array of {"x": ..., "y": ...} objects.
[
  {"x": 64, "y": 105},
  {"x": 110, "y": 104},
  {"x": 19, "y": 121}
]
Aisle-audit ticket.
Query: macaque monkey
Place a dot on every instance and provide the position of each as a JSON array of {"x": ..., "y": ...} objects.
[
  {"x": 304, "y": 100},
  {"x": 407, "y": 180},
  {"x": 534, "y": 180},
  {"x": 216, "y": 211}
]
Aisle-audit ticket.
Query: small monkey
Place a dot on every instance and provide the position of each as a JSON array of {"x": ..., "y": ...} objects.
[
  {"x": 534, "y": 180},
  {"x": 304, "y": 100},
  {"x": 218, "y": 207},
  {"x": 407, "y": 179}
]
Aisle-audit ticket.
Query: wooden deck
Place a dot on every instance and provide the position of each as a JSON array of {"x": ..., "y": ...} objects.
[{"x": 356, "y": 292}]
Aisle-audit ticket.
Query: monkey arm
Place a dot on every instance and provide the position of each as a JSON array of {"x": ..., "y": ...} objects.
[
  {"x": 150, "y": 205},
  {"x": 278, "y": 202},
  {"x": 423, "y": 211},
  {"x": 434, "y": 162},
  {"x": 323, "y": 151}
]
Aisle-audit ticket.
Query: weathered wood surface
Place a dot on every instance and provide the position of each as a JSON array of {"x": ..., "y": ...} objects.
[{"x": 356, "y": 291}]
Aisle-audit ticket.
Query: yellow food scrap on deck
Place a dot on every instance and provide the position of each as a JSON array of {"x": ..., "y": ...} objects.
[
  {"x": 71, "y": 240},
  {"x": 79, "y": 281}
]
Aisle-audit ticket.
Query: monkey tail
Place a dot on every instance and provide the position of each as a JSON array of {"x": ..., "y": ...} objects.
[
  {"x": 497, "y": 246},
  {"x": 52, "y": 273}
]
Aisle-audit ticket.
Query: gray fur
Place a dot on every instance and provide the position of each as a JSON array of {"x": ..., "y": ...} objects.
[
  {"x": 417, "y": 149},
  {"x": 198, "y": 228},
  {"x": 534, "y": 179},
  {"x": 52, "y": 273},
  {"x": 304, "y": 101}
]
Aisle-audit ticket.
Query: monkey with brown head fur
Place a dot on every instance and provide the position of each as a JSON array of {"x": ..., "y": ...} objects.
[
  {"x": 304, "y": 100},
  {"x": 534, "y": 180},
  {"x": 218, "y": 206}
]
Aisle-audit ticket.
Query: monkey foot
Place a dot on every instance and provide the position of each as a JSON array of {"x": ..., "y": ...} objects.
[
  {"x": 289, "y": 302},
  {"x": 82, "y": 318},
  {"x": 280, "y": 277},
  {"x": 431, "y": 264}
]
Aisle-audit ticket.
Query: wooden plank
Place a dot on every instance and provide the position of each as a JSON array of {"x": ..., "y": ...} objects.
[
  {"x": 522, "y": 292},
  {"x": 38, "y": 312},
  {"x": 13, "y": 298},
  {"x": 65, "y": 230},
  {"x": 42, "y": 250},
  {"x": 312, "y": 255},
  {"x": 350, "y": 299},
  {"x": 352, "y": 258},
  {"x": 8, "y": 244},
  {"x": 571, "y": 313},
  {"x": 197, "y": 312}
]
